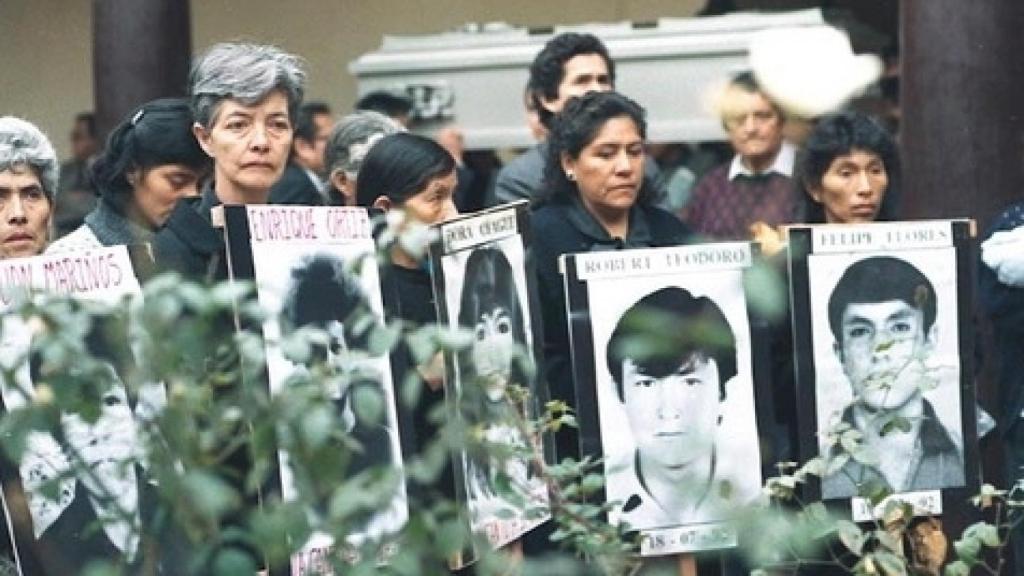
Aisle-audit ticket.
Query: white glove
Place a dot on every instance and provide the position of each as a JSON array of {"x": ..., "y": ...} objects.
[{"x": 1003, "y": 252}]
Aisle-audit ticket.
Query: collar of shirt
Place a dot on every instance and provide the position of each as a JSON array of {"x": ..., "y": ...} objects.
[
  {"x": 321, "y": 186},
  {"x": 783, "y": 164},
  {"x": 638, "y": 235}
]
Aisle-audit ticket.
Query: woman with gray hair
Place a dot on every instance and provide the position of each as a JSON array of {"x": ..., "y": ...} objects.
[
  {"x": 28, "y": 180},
  {"x": 349, "y": 142},
  {"x": 244, "y": 98}
]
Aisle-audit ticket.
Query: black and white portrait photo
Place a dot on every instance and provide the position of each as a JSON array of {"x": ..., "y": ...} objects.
[
  {"x": 325, "y": 286},
  {"x": 672, "y": 400},
  {"x": 673, "y": 377},
  {"x": 323, "y": 295},
  {"x": 885, "y": 331},
  {"x": 487, "y": 299},
  {"x": 83, "y": 485}
]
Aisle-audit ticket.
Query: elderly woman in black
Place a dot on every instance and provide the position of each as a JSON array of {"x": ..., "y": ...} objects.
[
  {"x": 596, "y": 199},
  {"x": 244, "y": 98}
]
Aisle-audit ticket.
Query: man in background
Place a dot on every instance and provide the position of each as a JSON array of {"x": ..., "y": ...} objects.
[
  {"x": 76, "y": 195},
  {"x": 394, "y": 106},
  {"x": 568, "y": 66},
  {"x": 756, "y": 186},
  {"x": 304, "y": 179}
]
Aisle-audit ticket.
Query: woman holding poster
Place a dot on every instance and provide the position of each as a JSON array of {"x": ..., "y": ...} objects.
[
  {"x": 245, "y": 98},
  {"x": 848, "y": 172},
  {"x": 597, "y": 199}
]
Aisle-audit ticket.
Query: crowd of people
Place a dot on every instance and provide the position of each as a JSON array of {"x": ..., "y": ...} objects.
[{"x": 245, "y": 136}]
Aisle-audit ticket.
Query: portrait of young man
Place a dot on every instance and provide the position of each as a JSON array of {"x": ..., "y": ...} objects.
[
  {"x": 882, "y": 317},
  {"x": 672, "y": 357}
]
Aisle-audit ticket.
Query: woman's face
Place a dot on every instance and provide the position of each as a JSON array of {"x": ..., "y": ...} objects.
[
  {"x": 156, "y": 190},
  {"x": 852, "y": 188},
  {"x": 493, "y": 345},
  {"x": 435, "y": 203},
  {"x": 249, "y": 146},
  {"x": 610, "y": 169}
]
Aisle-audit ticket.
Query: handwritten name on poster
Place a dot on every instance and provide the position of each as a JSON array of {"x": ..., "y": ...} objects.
[
  {"x": 269, "y": 224},
  {"x": 482, "y": 229},
  {"x": 101, "y": 271}
]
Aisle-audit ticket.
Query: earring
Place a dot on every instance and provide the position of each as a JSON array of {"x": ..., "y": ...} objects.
[{"x": 571, "y": 176}]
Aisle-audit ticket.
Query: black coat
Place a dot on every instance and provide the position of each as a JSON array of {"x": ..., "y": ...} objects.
[
  {"x": 188, "y": 243},
  {"x": 295, "y": 187}
]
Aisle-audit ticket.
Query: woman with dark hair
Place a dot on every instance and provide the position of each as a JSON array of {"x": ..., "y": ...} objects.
[
  {"x": 490, "y": 309},
  {"x": 409, "y": 173},
  {"x": 597, "y": 199},
  {"x": 849, "y": 171},
  {"x": 411, "y": 177},
  {"x": 151, "y": 160}
]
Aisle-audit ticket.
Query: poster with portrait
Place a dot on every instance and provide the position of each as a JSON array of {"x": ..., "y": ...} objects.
[
  {"x": 315, "y": 270},
  {"x": 483, "y": 292},
  {"x": 78, "y": 492},
  {"x": 883, "y": 344},
  {"x": 663, "y": 365}
]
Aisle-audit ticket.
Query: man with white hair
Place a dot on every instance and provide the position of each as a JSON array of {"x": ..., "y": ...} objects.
[
  {"x": 28, "y": 180},
  {"x": 757, "y": 184}
]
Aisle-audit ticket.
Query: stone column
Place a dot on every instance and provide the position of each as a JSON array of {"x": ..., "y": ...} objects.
[
  {"x": 141, "y": 51},
  {"x": 962, "y": 102}
]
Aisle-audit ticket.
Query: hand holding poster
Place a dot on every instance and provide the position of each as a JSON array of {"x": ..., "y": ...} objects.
[
  {"x": 879, "y": 316},
  {"x": 664, "y": 379}
]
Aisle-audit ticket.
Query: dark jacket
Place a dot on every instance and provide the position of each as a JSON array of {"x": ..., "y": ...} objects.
[
  {"x": 935, "y": 463},
  {"x": 188, "y": 243},
  {"x": 568, "y": 229},
  {"x": 295, "y": 187}
]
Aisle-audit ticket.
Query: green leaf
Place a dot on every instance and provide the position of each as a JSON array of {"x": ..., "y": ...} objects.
[
  {"x": 368, "y": 404},
  {"x": 896, "y": 424},
  {"x": 890, "y": 563},
  {"x": 851, "y": 536},
  {"x": 968, "y": 549},
  {"x": 887, "y": 541},
  {"x": 592, "y": 483},
  {"x": 989, "y": 535},
  {"x": 317, "y": 426},
  {"x": 815, "y": 466},
  {"x": 234, "y": 562},
  {"x": 957, "y": 568},
  {"x": 210, "y": 494}
]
